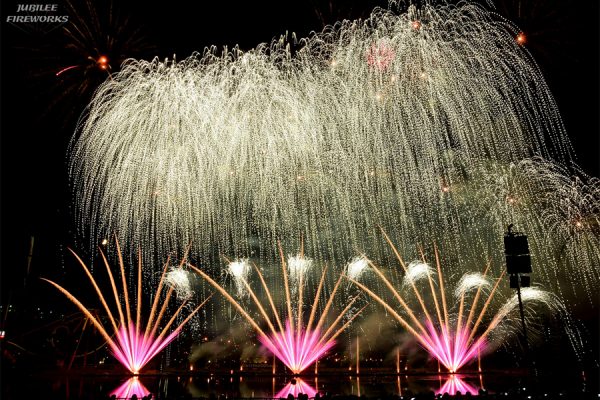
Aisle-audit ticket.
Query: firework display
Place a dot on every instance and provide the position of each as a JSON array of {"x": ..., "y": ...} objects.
[
  {"x": 434, "y": 123},
  {"x": 430, "y": 124}
]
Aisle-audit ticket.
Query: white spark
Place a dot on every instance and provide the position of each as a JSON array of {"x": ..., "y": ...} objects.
[
  {"x": 239, "y": 270},
  {"x": 528, "y": 295},
  {"x": 356, "y": 267},
  {"x": 178, "y": 279},
  {"x": 298, "y": 266},
  {"x": 416, "y": 270},
  {"x": 471, "y": 281}
]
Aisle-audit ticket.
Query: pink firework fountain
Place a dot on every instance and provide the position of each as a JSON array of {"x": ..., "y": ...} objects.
[
  {"x": 130, "y": 343},
  {"x": 297, "y": 345},
  {"x": 297, "y": 349},
  {"x": 454, "y": 334}
]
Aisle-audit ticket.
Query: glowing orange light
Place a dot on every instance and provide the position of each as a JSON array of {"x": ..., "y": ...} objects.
[
  {"x": 102, "y": 62},
  {"x": 445, "y": 189},
  {"x": 520, "y": 38},
  {"x": 416, "y": 25}
]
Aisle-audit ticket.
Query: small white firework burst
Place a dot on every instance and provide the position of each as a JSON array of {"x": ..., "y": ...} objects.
[
  {"x": 239, "y": 270},
  {"x": 178, "y": 279},
  {"x": 356, "y": 267},
  {"x": 298, "y": 266},
  {"x": 416, "y": 270}
]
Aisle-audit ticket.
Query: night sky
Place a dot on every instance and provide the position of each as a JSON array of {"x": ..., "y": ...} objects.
[{"x": 39, "y": 111}]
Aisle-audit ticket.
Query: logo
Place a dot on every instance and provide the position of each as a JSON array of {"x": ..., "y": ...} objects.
[{"x": 37, "y": 17}]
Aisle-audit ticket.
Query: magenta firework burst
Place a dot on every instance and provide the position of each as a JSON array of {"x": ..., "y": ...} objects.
[
  {"x": 298, "y": 344},
  {"x": 132, "y": 345}
]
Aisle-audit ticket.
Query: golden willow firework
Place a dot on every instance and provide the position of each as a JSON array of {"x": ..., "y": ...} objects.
[{"x": 374, "y": 122}]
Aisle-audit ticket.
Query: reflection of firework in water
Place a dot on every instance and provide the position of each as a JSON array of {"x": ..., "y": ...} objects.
[
  {"x": 129, "y": 388},
  {"x": 453, "y": 333},
  {"x": 341, "y": 146},
  {"x": 131, "y": 345},
  {"x": 454, "y": 384},
  {"x": 295, "y": 387},
  {"x": 295, "y": 343}
]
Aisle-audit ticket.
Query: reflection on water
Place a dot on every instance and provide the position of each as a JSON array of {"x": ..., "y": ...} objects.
[
  {"x": 281, "y": 387},
  {"x": 295, "y": 387},
  {"x": 102, "y": 386},
  {"x": 129, "y": 388},
  {"x": 455, "y": 384}
]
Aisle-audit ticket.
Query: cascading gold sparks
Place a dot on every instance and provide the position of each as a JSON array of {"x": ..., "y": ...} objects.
[{"x": 374, "y": 122}]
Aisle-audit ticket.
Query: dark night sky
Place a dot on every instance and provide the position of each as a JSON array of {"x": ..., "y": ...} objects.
[{"x": 39, "y": 111}]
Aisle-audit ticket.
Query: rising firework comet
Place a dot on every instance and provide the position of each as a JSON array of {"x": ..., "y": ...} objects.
[
  {"x": 295, "y": 343},
  {"x": 452, "y": 333},
  {"x": 362, "y": 125},
  {"x": 132, "y": 345}
]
